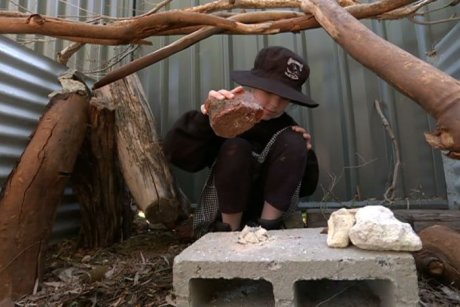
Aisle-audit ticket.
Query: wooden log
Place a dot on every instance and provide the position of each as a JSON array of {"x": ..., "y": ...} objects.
[
  {"x": 34, "y": 189},
  {"x": 231, "y": 117},
  {"x": 435, "y": 91},
  {"x": 440, "y": 255},
  {"x": 97, "y": 180},
  {"x": 143, "y": 164}
]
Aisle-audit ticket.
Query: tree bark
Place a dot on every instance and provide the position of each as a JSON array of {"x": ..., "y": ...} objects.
[
  {"x": 97, "y": 180},
  {"x": 143, "y": 164},
  {"x": 34, "y": 189},
  {"x": 440, "y": 256},
  {"x": 433, "y": 90}
]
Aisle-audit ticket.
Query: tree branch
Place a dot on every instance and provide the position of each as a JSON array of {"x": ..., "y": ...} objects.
[{"x": 186, "y": 21}]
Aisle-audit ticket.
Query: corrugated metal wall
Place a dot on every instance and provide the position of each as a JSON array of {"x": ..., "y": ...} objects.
[
  {"x": 354, "y": 149},
  {"x": 26, "y": 79},
  {"x": 93, "y": 60}
]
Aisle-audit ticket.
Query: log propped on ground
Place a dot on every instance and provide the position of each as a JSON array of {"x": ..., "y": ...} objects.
[
  {"x": 440, "y": 255},
  {"x": 34, "y": 189},
  {"x": 104, "y": 202},
  {"x": 144, "y": 167}
]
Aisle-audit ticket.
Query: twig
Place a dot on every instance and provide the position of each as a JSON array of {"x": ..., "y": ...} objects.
[
  {"x": 453, "y": 17},
  {"x": 160, "y": 54},
  {"x": 405, "y": 11},
  {"x": 63, "y": 56},
  {"x": 157, "y": 8},
  {"x": 389, "y": 193},
  {"x": 114, "y": 61},
  {"x": 337, "y": 294}
]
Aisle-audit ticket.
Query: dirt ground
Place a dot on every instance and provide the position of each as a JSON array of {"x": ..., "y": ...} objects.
[{"x": 138, "y": 272}]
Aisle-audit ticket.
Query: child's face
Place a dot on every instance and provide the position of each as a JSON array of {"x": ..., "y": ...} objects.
[{"x": 272, "y": 104}]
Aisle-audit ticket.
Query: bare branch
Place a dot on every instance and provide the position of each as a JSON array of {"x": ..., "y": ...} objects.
[
  {"x": 453, "y": 17},
  {"x": 158, "y": 7},
  {"x": 114, "y": 61},
  {"x": 66, "y": 53},
  {"x": 125, "y": 31},
  {"x": 244, "y": 4},
  {"x": 390, "y": 192},
  {"x": 164, "y": 52}
]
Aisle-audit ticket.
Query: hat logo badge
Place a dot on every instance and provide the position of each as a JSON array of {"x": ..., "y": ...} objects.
[{"x": 293, "y": 69}]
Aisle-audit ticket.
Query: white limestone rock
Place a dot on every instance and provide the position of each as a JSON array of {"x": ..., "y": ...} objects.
[
  {"x": 376, "y": 228},
  {"x": 338, "y": 227}
]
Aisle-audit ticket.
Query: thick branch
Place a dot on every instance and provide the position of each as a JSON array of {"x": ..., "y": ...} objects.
[
  {"x": 293, "y": 24},
  {"x": 244, "y": 4},
  {"x": 124, "y": 31},
  {"x": 166, "y": 51},
  {"x": 435, "y": 91},
  {"x": 189, "y": 20}
]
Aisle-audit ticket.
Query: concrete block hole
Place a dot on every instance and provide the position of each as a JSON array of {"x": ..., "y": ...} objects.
[
  {"x": 231, "y": 292},
  {"x": 343, "y": 293}
]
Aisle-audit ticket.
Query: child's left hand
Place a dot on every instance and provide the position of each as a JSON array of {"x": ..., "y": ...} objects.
[{"x": 305, "y": 135}]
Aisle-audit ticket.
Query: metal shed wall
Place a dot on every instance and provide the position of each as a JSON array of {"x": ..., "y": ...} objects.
[
  {"x": 354, "y": 149},
  {"x": 26, "y": 79}
]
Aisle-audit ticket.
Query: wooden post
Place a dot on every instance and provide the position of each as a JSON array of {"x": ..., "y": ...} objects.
[
  {"x": 143, "y": 164},
  {"x": 98, "y": 182},
  {"x": 34, "y": 189},
  {"x": 435, "y": 91}
]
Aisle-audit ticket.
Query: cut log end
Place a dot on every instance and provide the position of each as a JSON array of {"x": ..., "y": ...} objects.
[
  {"x": 163, "y": 211},
  {"x": 443, "y": 140},
  {"x": 440, "y": 254}
]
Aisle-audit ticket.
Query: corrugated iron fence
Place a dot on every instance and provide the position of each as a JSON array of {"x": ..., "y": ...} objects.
[{"x": 354, "y": 150}]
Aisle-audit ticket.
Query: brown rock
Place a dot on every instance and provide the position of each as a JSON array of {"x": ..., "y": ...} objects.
[{"x": 231, "y": 117}]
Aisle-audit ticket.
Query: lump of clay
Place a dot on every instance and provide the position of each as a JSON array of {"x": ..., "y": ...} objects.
[
  {"x": 231, "y": 117},
  {"x": 376, "y": 228},
  {"x": 253, "y": 235}
]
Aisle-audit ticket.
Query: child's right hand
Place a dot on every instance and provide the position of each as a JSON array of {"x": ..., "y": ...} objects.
[{"x": 221, "y": 95}]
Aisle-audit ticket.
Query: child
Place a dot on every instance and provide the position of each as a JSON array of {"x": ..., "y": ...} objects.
[{"x": 258, "y": 176}]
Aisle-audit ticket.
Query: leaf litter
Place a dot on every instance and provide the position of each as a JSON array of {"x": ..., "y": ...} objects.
[{"x": 138, "y": 272}]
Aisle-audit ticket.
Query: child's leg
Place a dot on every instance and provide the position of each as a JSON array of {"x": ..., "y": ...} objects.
[
  {"x": 232, "y": 178},
  {"x": 284, "y": 168}
]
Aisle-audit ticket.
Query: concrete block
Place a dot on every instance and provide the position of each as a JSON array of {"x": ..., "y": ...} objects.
[{"x": 295, "y": 267}]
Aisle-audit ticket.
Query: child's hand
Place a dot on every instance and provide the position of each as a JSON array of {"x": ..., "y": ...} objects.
[
  {"x": 305, "y": 135},
  {"x": 221, "y": 95}
]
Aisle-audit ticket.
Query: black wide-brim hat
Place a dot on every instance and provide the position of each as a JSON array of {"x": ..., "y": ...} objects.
[{"x": 279, "y": 71}]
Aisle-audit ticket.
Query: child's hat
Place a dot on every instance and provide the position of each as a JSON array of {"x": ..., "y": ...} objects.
[{"x": 279, "y": 71}]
